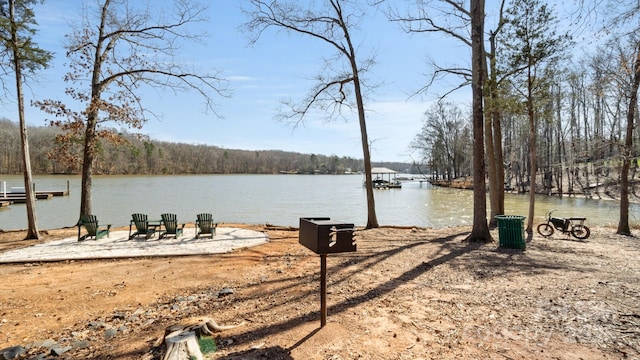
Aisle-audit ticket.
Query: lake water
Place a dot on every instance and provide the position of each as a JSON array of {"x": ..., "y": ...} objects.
[{"x": 279, "y": 200}]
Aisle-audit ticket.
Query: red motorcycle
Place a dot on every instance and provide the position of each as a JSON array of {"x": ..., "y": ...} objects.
[{"x": 573, "y": 225}]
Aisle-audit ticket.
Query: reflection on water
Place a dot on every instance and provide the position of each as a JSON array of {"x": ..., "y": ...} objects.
[{"x": 280, "y": 200}]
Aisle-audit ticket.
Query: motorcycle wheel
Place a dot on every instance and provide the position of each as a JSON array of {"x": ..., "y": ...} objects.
[
  {"x": 580, "y": 232},
  {"x": 545, "y": 230}
]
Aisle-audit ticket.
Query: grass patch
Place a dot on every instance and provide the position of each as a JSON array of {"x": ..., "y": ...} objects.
[{"x": 207, "y": 345}]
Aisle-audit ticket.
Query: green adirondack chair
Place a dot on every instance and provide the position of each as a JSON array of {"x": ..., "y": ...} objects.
[
  {"x": 90, "y": 223},
  {"x": 171, "y": 226},
  {"x": 142, "y": 226},
  {"x": 205, "y": 225}
]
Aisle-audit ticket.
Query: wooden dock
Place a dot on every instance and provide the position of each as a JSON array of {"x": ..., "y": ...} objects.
[{"x": 16, "y": 197}]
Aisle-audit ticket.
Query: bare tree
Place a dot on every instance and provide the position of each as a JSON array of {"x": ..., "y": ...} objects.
[
  {"x": 119, "y": 50},
  {"x": 450, "y": 17},
  {"x": 332, "y": 25},
  {"x": 623, "y": 22},
  {"x": 16, "y": 19},
  {"x": 628, "y": 78},
  {"x": 531, "y": 47},
  {"x": 444, "y": 140}
]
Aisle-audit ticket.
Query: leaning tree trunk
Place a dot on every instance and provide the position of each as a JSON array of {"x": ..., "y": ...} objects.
[
  {"x": 32, "y": 221},
  {"x": 372, "y": 218}
]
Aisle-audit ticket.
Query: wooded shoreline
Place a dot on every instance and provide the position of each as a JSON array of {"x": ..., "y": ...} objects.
[{"x": 606, "y": 191}]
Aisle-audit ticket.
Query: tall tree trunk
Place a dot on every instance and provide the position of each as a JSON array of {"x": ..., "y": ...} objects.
[
  {"x": 480, "y": 230},
  {"x": 372, "y": 219},
  {"x": 493, "y": 139},
  {"x": 559, "y": 146},
  {"x": 499, "y": 158},
  {"x": 491, "y": 160},
  {"x": 623, "y": 222},
  {"x": 532, "y": 153},
  {"x": 32, "y": 220},
  {"x": 90, "y": 136},
  {"x": 87, "y": 165}
]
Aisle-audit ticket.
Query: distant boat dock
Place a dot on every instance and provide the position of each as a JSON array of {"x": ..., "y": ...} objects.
[{"x": 17, "y": 195}]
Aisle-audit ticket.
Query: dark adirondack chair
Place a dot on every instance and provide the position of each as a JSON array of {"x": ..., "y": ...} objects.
[
  {"x": 205, "y": 225},
  {"x": 90, "y": 223},
  {"x": 142, "y": 226},
  {"x": 171, "y": 226}
]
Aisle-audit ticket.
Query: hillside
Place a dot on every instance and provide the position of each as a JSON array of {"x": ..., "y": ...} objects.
[{"x": 139, "y": 154}]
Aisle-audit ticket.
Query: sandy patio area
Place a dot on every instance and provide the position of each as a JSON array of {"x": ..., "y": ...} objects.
[{"x": 118, "y": 245}]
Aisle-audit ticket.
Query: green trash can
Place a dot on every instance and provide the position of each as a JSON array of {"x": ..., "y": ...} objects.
[{"x": 511, "y": 231}]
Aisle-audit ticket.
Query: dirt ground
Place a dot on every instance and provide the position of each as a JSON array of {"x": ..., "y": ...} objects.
[{"x": 406, "y": 293}]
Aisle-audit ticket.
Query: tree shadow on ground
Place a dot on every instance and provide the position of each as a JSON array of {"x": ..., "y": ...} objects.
[
  {"x": 455, "y": 250},
  {"x": 491, "y": 261}
]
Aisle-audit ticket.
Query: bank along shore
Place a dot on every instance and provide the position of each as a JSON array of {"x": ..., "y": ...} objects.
[{"x": 603, "y": 190}]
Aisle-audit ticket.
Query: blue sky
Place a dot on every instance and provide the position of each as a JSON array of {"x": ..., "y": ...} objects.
[{"x": 278, "y": 67}]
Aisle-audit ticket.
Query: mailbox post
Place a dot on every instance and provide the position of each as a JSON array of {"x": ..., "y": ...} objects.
[{"x": 324, "y": 236}]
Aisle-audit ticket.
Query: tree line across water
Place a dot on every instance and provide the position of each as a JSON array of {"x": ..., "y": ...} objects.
[{"x": 142, "y": 155}]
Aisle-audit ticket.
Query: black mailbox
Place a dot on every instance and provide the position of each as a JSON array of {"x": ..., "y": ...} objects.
[{"x": 325, "y": 236}]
